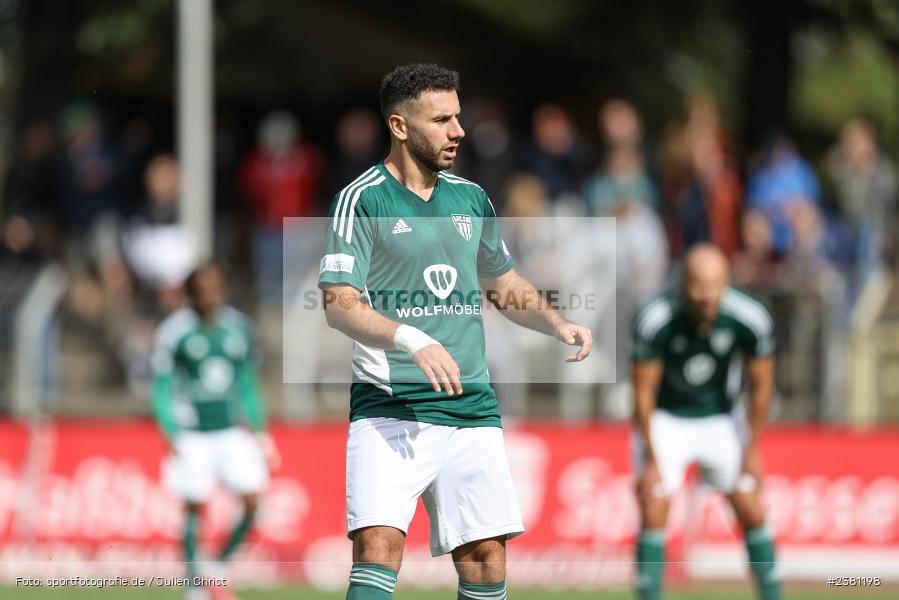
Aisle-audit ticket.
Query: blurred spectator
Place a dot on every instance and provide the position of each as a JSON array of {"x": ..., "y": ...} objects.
[
  {"x": 27, "y": 239},
  {"x": 755, "y": 265},
  {"x": 90, "y": 185},
  {"x": 161, "y": 253},
  {"x": 29, "y": 191},
  {"x": 866, "y": 187},
  {"x": 622, "y": 188},
  {"x": 779, "y": 188},
  {"x": 622, "y": 179},
  {"x": 558, "y": 156},
  {"x": 90, "y": 172},
  {"x": 701, "y": 187},
  {"x": 360, "y": 144},
  {"x": 136, "y": 140},
  {"x": 488, "y": 150},
  {"x": 620, "y": 125},
  {"x": 231, "y": 214},
  {"x": 281, "y": 177}
]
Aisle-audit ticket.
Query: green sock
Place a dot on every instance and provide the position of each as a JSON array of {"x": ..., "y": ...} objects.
[
  {"x": 369, "y": 581},
  {"x": 189, "y": 543},
  {"x": 650, "y": 564},
  {"x": 763, "y": 562},
  {"x": 481, "y": 591},
  {"x": 237, "y": 535}
]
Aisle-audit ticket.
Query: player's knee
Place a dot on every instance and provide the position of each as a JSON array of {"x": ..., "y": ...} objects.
[
  {"x": 654, "y": 511},
  {"x": 491, "y": 551},
  {"x": 378, "y": 545},
  {"x": 194, "y": 508},
  {"x": 482, "y": 561}
]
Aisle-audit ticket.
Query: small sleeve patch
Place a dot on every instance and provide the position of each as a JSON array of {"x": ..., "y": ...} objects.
[{"x": 337, "y": 263}]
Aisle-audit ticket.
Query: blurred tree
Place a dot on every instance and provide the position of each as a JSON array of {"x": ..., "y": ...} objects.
[{"x": 322, "y": 56}]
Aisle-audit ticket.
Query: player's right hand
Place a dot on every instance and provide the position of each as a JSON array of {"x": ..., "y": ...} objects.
[{"x": 440, "y": 368}]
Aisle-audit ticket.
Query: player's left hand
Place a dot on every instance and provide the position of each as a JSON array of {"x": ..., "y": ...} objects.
[
  {"x": 576, "y": 335},
  {"x": 269, "y": 451}
]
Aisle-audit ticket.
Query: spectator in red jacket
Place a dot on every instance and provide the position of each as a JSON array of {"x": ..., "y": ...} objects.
[{"x": 281, "y": 177}]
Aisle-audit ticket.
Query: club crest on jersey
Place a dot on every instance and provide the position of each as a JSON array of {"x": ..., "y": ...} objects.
[
  {"x": 699, "y": 369},
  {"x": 721, "y": 340},
  {"x": 440, "y": 279},
  {"x": 463, "y": 225}
]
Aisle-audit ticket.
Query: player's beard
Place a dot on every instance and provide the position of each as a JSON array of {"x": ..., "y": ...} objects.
[{"x": 426, "y": 153}]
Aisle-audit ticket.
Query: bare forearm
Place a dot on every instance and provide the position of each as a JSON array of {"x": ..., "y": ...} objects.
[
  {"x": 644, "y": 405},
  {"x": 647, "y": 375},
  {"x": 761, "y": 391},
  {"x": 346, "y": 312},
  {"x": 522, "y": 304},
  {"x": 759, "y": 407}
]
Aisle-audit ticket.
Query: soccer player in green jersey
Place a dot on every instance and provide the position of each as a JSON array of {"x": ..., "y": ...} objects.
[
  {"x": 410, "y": 248},
  {"x": 205, "y": 387},
  {"x": 686, "y": 352}
]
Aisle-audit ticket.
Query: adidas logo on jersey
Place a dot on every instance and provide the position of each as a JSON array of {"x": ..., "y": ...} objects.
[{"x": 401, "y": 227}]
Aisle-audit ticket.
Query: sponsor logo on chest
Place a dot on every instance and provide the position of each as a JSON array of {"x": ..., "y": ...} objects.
[{"x": 440, "y": 279}]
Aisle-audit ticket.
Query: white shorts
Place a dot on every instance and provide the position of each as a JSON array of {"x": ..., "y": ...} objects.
[
  {"x": 204, "y": 458},
  {"x": 461, "y": 473},
  {"x": 715, "y": 443}
]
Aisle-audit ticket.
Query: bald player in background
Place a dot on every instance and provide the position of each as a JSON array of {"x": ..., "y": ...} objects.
[{"x": 687, "y": 349}]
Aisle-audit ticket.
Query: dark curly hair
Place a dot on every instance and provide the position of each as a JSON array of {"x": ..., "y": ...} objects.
[{"x": 409, "y": 81}]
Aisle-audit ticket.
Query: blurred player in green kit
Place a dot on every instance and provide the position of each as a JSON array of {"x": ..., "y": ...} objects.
[
  {"x": 207, "y": 402},
  {"x": 689, "y": 345}
]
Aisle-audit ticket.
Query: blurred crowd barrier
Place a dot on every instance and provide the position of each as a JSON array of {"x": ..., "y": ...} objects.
[
  {"x": 92, "y": 254},
  {"x": 89, "y": 492}
]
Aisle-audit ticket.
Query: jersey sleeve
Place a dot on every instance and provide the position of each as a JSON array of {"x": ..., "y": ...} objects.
[
  {"x": 758, "y": 336},
  {"x": 493, "y": 256},
  {"x": 648, "y": 342},
  {"x": 249, "y": 390},
  {"x": 348, "y": 243},
  {"x": 163, "y": 366}
]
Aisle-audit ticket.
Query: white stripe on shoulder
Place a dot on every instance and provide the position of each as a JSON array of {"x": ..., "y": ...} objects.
[
  {"x": 749, "y": 312},
  {"x": 759, "y": 330},
  {"x": 656, "y": 315},
  {"x": 175, "y": 326},
  {"x": 748, "y": 306},
  {"x": 450, "y": 178},
  {"x": 761, "y": 308},
  {"x": 338, "y": 211},
  {"x": 231, "y": 316},
  {"x": 491, "y": 205},
  {"x": 352, "y": 212}
]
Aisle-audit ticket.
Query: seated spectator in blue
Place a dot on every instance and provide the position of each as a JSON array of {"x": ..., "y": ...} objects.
[{"x": 777, "y": 188}]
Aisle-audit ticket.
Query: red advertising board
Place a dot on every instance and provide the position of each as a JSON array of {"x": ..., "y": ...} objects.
[{"x": 85, "y": 497}]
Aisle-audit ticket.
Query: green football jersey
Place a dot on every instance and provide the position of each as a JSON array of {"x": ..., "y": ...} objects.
[
  {"x": 205, "y": 373},
  {"x": 418, "y": 263},
  {"x": 701, "y": 373}
]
